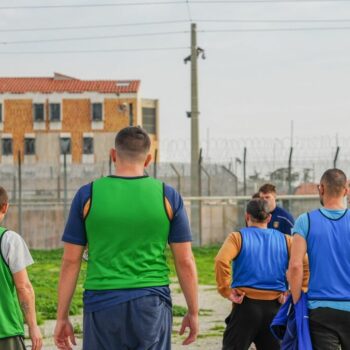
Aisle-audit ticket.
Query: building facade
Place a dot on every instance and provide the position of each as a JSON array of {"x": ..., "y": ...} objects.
[{"x": 41, "y": 119}]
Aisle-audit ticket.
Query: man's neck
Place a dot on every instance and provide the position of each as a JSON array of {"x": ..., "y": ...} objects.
[
  {"x": 257, "y": 224},
  {"x": 129, "y": 172},
  {"x": 333, "y": 203}
]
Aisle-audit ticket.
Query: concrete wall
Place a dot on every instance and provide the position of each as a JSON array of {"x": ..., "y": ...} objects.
[
  {"x": 43, "y": 223},
  {"x": 48, "y": 147}
]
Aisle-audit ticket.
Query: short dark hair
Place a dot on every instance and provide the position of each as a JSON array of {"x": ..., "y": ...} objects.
[
  {"x": 258, "y": 209},
  {"x": 268, "y": 188},
  {"x": 256, "y": 195},
  {"x": 132, "y": 142},
  {"x": 4, "y": 199},
  {"x": 334, "y": 181}
]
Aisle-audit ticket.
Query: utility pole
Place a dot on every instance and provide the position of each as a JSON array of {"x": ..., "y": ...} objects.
[
  {"x": 245, "y": 171},
  {"x": 290, "y": 170},
  {"x": 195, "y": 161},
  {"x": 20, "y": 193}
]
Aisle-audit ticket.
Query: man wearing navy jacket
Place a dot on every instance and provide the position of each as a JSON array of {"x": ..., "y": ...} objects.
[
  {"x": 325, "y": 235},
  {"x": 281, "y": 219}
]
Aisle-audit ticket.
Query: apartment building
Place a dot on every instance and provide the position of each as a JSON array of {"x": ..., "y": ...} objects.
[{"x": 43, "y": 118}]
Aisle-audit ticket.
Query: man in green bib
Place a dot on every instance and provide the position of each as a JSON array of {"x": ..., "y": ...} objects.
[
  {"x": 16, "y": 292},
  {"x": 127, "y": 220}
]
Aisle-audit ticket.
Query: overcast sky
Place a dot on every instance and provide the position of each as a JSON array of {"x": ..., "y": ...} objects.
[{"x": 252, "y": 84}]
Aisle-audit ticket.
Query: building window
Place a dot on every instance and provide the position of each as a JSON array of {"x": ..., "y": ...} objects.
[
  {"x": 0, "y": 112},
  {"x": 88, "y": 145},
  {"x": 55, "y": 112},
  {"x": 29, "y": 146},
  {"x": 39, "y": 116},
  {"x": 97, "y": 112},
  {"x": 65, "y": 145},
  {"x": 7, "y": 147},
  {"x": 149, "y": 119}
]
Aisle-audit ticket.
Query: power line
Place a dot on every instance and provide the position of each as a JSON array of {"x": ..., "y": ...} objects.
[
  {"x": 274, "y": 29},
  {"x": 312, "y": 20},
  {"x": 112, "y": 25},
  {"x": 155, "y": 3},
  {"x": 149, "y": 49},
  {"x": 120, "y": 4},
  {"x": 98, "y": 37},
  {"x": 136, "y": 24},
  {"x": 237, "y": 30}
]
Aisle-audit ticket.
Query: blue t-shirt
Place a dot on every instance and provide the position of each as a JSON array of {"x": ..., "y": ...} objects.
[
  {"x": 301, "y": 228},
  {"x": 281, "y": 220},
  {"x": 75, "y": 233}
]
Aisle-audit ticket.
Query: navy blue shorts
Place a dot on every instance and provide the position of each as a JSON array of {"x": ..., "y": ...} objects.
[{"x": 139, "y": 324}]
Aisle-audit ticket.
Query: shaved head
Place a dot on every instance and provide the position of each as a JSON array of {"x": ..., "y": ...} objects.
[{"x": 334, "y": 182}]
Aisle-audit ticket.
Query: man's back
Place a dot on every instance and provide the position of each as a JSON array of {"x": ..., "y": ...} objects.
[
  {"x": 328, "y": 247},
  {"x": 325, "y": 235},
  {"x": 127, "y": 232},
  {"x": 127, "y": 221}
]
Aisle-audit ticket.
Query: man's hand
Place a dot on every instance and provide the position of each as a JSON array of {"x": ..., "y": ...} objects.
[
  {"x": 64, "y": 335},
  {"x": 236, "y": 296},
  {"x": 283, "y": 297},
  {"x": 36, "y": 337},
  {"x": 190, "y": 321}
]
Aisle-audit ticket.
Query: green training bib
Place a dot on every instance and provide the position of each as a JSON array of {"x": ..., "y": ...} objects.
[{"x": 127, "y": 232}]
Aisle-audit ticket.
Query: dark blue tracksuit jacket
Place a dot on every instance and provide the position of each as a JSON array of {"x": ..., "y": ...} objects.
[{"x": 291, "y": 325}]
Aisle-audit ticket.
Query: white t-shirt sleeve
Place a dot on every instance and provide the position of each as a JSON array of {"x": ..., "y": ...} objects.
[{"x": 15, "y": 252}]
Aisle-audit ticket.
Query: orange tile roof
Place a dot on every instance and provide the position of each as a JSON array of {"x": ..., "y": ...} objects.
[
  {"x": 62, "y": 83},
  {"x": 306, "y": 188}
]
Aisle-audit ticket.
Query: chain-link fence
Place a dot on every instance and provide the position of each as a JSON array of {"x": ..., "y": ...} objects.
[{"x": 40, "y": 194}]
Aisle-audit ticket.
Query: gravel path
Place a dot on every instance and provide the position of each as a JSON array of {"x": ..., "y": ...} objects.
[{"x": 214, "y": 309}]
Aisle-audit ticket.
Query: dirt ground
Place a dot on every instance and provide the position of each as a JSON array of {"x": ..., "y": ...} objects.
[{"x": 214, "y": 309}]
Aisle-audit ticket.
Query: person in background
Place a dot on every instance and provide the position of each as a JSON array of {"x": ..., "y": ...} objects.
[
  {"x": 324, "y": 234},
  {"x": 16, "y": 291},
  {"x": 251, "y": 271},
  {"x": 281, "y": 219},
  {"x": 127, "y": 220}
]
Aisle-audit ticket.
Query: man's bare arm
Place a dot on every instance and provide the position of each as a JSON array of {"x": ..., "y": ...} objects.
[
  {"x": 26, "y": 299},
  {"x": 70, "y": 268},
  {"x": 295, "y": 270},
  {"x": 187, "y": 274}
]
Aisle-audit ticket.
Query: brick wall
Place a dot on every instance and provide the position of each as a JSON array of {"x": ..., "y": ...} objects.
[
  {"x": 18, "y": 121},
  {"x": 76, "y": 120}
]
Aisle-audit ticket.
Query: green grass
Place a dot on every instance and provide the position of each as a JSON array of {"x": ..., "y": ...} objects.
[
  {"x": 205, "y": 264},
  {"x": 44, "y": 275},
  {"x": 180, "y": 311}
]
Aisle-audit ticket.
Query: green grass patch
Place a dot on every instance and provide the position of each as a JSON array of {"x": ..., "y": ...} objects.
[
  {"x": 218, "y": 327},
  {"x": 44, "y": 275},
  {"x": 179, "y": 311},
  {"x": 205, "y": 312},
  {"x": 209, "y": 335},
  {"x": 204, "y": 257}
]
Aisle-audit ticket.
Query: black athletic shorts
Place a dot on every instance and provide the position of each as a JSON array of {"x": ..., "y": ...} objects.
[
  {"x": 249, "y": 323},
  {"x": 330, "y": 329}
]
